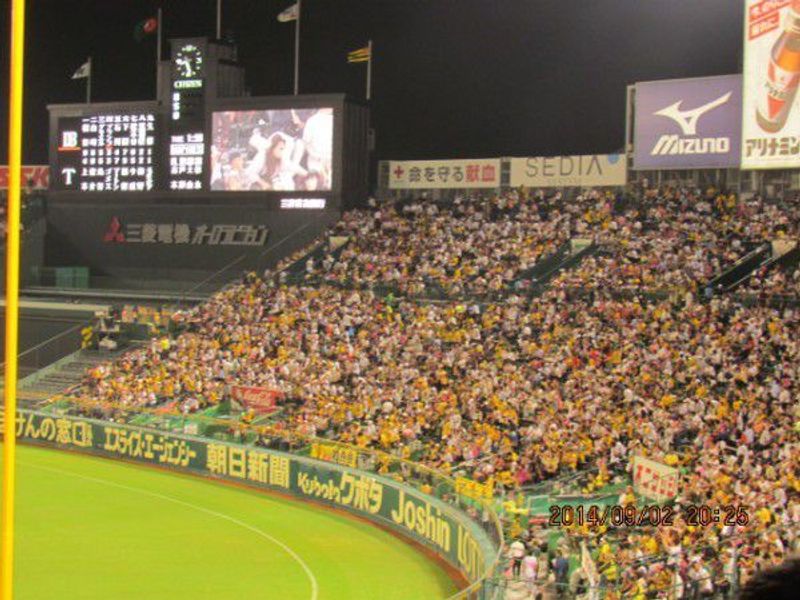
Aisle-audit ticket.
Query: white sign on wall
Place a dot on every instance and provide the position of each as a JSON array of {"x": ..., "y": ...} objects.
[
  {"x": 591, "y": 170},
  {"x": 771, "y": 106},
  {"x": 444, "y": 174}
]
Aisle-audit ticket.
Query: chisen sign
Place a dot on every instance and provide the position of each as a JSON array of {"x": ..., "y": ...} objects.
[
  {"x": 688, "y": 123},
  {"x": 444, "y": 174},
  {"x": 34, "y": 177}
]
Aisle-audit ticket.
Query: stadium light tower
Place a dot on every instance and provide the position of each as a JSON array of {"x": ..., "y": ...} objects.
[{"x": 12, "y": 293}]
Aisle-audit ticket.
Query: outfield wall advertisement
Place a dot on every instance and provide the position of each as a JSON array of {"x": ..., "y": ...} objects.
[
  {"x": 771, "y": 115},
  {"x": 688, "y": 123},
  {"x": 439, "y": 526},
  {"x": 592, "y": 170}
]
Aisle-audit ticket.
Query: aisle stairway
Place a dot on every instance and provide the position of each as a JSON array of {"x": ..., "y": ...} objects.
[
  {"x": 517, "y": 590},
  {"x": 741, "y": 270},
  {"x": 566, "y": 257},
  {"x": 61, "y": 375},
  {"x": 297, "y": 270},
  {"x": 784, "y": 255}
]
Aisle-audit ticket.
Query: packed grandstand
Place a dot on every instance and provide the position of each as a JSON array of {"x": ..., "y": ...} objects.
[{"x": 429, "y": 332}]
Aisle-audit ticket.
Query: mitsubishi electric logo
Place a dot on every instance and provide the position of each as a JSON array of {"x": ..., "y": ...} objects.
[
  {"x": 118, "y": 232},
  {"x": 674, "y": 144}
]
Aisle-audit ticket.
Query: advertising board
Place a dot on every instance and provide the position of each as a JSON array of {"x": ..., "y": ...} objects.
[
  {"x": 439, "y": 526},
  {"x": 444, "y": 174},
  {"x": 256, "y": 398},
  {"x": 771, "y": 115},
  {"x": 34, "y": 177},
  {"x": 688, "y": 123},
  {"x": 593, "y": 170}
]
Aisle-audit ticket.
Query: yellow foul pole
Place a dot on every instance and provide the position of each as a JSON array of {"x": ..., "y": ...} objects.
[{"x": 12, "y": 293}]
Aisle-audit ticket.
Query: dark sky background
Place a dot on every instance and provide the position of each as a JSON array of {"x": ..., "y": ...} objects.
[{"x": 452, "y": 78}]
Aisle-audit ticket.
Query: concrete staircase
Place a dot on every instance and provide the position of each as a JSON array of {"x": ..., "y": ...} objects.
[
  {"x": 517, "y": 590},
  {"x": 61, "y": 375}
]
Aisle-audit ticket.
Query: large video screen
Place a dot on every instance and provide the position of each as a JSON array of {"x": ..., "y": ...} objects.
[
  {"x": 106, "y": 153},
  {"x": 281, "y": 150}
]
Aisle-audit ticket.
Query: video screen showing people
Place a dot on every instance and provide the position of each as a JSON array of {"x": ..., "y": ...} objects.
[{"x": 281, "y": 150}]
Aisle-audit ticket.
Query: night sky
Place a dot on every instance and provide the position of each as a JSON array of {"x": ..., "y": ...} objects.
[{"x": 452, "y": 78}]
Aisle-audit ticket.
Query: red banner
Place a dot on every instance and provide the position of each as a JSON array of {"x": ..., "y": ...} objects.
[
  {"x": 259, "y": 399},
  {"x": 764, "y": 16},
  {"x": 34, "y": 177}
]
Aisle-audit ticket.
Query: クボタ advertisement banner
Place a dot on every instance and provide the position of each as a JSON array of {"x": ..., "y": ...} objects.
[
  {"x": 443, "y": 528},
  {"x": 688, "y": 123},
  {"x": 654, "y": 480},
  {"x": 591, "y": 170},
  {"x": 444, "y": 174},
  {"x": 771, "y": 115}
]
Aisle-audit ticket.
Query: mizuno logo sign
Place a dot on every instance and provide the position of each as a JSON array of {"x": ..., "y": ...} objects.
[
  {"x": 676, "y": 145},
  {"x": 687, "y": 119}
]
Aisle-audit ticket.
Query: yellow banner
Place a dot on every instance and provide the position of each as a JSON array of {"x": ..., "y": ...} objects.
[
  {"x": 474, "y": 489},
  {"x": 336, "y": 454}
]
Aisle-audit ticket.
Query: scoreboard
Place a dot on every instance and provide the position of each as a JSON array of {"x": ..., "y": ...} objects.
[
  {"x": 187, "y": 142},
  {"x": 206, "y": 139},
  {"x": 107, "y": 153},
  {"x": 186, "y": 159}
]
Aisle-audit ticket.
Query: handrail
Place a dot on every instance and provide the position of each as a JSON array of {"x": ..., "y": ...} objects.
[
  {"x": 77, "y": 327},
  {"x": 259, "y": 429},
  {"x": 765, "y": 265},
  {"x": 242, "y": 257}
]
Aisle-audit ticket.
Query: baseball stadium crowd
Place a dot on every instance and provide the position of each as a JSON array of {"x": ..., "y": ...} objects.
[
  {"x": 577, "y": 378},
  {"x": 469, "y": 246},
  {"x": 776, "y": 281},
  {"x": 679, "y": 239},
  {"x": 4, "y": 214}
]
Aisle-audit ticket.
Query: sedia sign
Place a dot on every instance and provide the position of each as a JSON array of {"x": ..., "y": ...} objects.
[{"x": 589, "y": 170}]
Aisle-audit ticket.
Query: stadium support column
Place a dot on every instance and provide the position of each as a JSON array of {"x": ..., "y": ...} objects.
[
  {"x": 369, "y": 73},
  {"x": 630, "y": 111},
  {"x": 297, "y": 47},
  {"x": 89, "y": 83},
  {"x": 12, "y": 293},
  {"x": 158, "y": 55}
]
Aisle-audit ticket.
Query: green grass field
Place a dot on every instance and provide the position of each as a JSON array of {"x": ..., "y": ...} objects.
[{"x": 93, "y": 528}]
